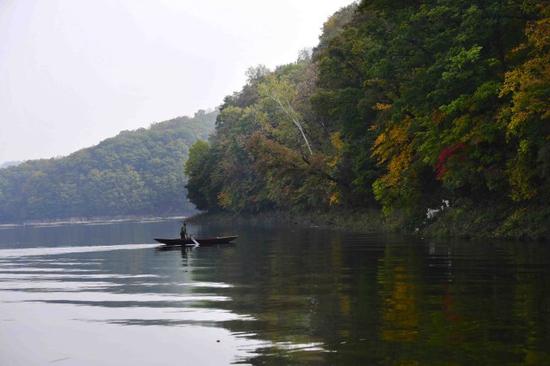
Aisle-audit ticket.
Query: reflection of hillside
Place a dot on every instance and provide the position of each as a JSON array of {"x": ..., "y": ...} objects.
[
  {"x": 290, "y": 296},
  {"x": 295, "y": 285},
  {"x": 330, "y": 298},
  {"x": 400, "y": 315}
]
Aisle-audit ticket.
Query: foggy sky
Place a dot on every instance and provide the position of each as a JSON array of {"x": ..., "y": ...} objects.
[{"x": 73, "y": 72}]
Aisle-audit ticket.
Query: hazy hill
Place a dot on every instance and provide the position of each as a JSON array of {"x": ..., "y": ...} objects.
[
  {"x": 7, "y": 164},
  {"x": 135, "y": 173}
]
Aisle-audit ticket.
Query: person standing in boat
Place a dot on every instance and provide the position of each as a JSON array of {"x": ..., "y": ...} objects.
[{"x": 183, "y": 231}]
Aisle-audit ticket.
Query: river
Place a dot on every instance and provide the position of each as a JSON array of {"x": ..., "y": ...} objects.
[{"x": 102, "y": 294}]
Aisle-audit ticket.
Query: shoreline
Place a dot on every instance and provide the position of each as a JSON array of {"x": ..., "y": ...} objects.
[
  {"x": 357, "y": 221},
  {"x": 464, "y": 222},
  {"x": 97, "y": 220}
]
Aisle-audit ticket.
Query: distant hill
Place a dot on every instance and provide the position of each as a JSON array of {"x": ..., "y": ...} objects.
[
  {"x": 135, "y": 173},
  {"x": 7, "y": 164}
]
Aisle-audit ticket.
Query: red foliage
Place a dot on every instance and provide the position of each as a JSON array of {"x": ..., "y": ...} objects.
[{"x": 444, "y": 155}]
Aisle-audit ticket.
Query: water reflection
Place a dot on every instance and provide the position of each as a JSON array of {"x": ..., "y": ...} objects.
[
  {"x": 64, "y": 301},
  {"x": 279, "y": 296}
]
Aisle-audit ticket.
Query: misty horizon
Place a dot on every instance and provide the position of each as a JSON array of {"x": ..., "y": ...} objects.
[{"x": 66, "y": 84}]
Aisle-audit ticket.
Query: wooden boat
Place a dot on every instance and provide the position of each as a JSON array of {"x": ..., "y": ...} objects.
[{"x": 201, "y": 241}]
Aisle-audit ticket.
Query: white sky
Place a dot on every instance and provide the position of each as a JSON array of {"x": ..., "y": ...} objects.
[{"x": 73, "y": 72}]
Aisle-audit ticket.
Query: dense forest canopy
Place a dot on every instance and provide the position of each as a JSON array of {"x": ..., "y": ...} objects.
[
  {"x": 136, "y": 172},
  {"x": 402, "y": 105}
]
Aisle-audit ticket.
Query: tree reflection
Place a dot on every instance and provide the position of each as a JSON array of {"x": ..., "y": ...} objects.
[{"x": 320, "y": 297}]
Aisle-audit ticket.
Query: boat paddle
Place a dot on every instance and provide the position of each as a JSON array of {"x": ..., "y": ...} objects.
[{"x": 194, "y": 241}]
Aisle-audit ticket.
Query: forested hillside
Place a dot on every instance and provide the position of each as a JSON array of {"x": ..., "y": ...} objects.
[
  {"x": 136, "y": 172},
  {"x": 404, "y": 106}
]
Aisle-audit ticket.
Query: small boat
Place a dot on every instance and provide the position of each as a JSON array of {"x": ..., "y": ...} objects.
[{"x": 201, "y": 241}]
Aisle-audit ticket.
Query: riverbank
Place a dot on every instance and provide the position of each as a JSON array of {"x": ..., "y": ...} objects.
[
  {"x": 357, "y": 221},
  {"x": 528, "y": 223},
  {"x": 465, "y": 221},
  {"x": 96, "y": 220}
]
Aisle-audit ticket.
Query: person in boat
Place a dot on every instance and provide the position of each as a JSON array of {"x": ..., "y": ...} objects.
[{"x": 183, "y": 231}]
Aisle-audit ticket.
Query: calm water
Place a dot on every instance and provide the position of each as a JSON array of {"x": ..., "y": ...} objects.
[{"x": 103, "y": 295}]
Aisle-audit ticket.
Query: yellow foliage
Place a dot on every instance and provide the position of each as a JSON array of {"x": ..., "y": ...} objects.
[
  {"x": 382, "y": 106},
  {"x": 438, "y": 116},
  {"x": 380, "y": 139},
  {"x": 388, "y": 143},
  {"x": 526, "y": 81},
  {"x": 338, "y": 144},
  {"x": 528, "y": 85},
  {"x": 334, "y": 199},
  {"x": 397, "y": 166},
  {"x": 224, "y": 199},
  {"x": 393, "y": 149},
  {"x": 521, "y": 185},
  {"x": 336, "y": 141}
]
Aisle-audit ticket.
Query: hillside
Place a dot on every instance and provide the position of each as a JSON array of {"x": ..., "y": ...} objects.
[
  {"x": 409, "y": 109},
  {"x": 135, "y": 173}
]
